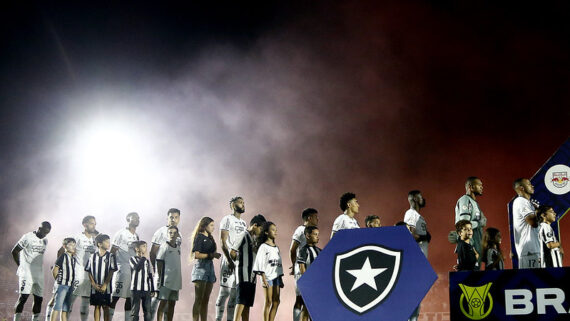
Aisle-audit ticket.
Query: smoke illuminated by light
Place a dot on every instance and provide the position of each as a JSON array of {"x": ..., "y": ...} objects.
[{"x": 113, "y": 162}]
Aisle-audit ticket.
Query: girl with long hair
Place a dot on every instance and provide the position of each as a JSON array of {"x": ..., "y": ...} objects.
[
  {"x": 269, "y": 265},
  {"x": 203, "y": 276},
  {"x": 492, "y": 255}
]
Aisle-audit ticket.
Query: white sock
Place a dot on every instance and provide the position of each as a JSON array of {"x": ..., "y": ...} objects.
[
  {"x": 49, "y": 310},
  {"x": 296, "y": 314},
  {"x": 36, "y": 317},
  {"x": 232, "y": 304},
  {"x": 111, "y": 312},
  {"x": 84, "y": 309},
  {"x": 17, "y": 316},
  {"x": 221, "y": 303}
]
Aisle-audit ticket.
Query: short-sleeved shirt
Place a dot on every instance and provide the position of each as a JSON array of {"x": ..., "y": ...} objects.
[
  {"x": 66, "y": 273},
  {"x": 268, "y": 261},
  {"x": 235, "y": 226},
  {"x": 466, "y": 259},
  {"x": 492, "y": 257},
  {"x": 161, "y": 236},
  {"x": 549, "y": 257},
  {"x": 468, "y": 209},
  {"x": 413, "y": 218},
  {"x": 100, "y": 267},
  {"x": 526, "y": 236},
  {"x": 141, "y": 274},
  {"x": 32, "y": 256},
  {"x": 307, "y": 255},
  {"x": 171, "y": 276},
  {"x": 84, "y": 249},
  {"x": 299, "y": 237},
  {"x": 344, "y": 222},
  {"x": 245, "y": 258},
  {"x": 204, "y": 245},
  {"x": 124, "y": 240}
]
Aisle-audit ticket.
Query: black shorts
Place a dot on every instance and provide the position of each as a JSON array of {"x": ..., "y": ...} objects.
[
  {"x": 245, "y": 293},
  {"x": 102, "y": 299}
]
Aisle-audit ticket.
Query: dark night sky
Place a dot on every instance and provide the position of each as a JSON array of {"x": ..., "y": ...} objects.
[{"x": 289, "y": 105}]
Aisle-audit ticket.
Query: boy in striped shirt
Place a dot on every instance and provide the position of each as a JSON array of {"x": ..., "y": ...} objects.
[
  {"x": 142, "y": 284},
  {"x": 243, "y": 253},
  {"x": 101, "y": 266},
  {"x": 307, "y": 255},
  {"x": 551, "y": 250},
  {"x": 64, "y": 275}
]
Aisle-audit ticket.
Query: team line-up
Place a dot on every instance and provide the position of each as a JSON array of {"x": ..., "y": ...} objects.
[{"x": 101, "y": 271}]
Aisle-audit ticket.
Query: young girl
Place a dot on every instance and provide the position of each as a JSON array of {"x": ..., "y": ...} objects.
[
  {"x": 268, "y": 264},
  {"x": 203, "y": 276},
  {"x": 492, "y": 255}
]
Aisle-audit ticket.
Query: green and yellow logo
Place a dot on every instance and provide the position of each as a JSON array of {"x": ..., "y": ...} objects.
[{"x": 476, "y": 298}]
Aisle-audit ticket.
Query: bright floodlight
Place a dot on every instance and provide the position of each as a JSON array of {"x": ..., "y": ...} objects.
[{"x": 114, "y": 165}]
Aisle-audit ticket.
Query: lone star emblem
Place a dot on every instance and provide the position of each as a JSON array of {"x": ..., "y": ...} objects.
[{"x": 365, "y": 275}]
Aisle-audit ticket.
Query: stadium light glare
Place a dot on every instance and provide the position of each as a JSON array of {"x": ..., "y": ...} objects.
[{"x": 113, "y": 164}]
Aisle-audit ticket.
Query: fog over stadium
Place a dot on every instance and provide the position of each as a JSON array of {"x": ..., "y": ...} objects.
[{"x": 109, "y": 110}]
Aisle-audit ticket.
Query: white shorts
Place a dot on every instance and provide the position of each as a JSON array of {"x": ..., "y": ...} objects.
[
  {"x": 297, "y": 277},
  {"x": 82, "y": 288},
  {"x": 530, "y": 261},
  {"x": 122, "y": 283},
  {"x": 227, "y": 277},
  {"x": 29, "y": 285}
]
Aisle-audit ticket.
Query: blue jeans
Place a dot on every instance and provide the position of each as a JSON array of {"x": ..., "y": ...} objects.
[
  {"x": 63, "y": 298},
  {"x": 203, "y": 270},
  {"x": 139, "y": 297}
]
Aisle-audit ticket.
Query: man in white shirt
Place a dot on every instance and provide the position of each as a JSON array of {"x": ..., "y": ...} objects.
[
  {"x": 310, "y": 217},
  {"x": 418, "y": 227},
  {"x": 349, "y": 206},
  {"x": 28, "y": 254},
  {"x": 158, "y": 238},
  {"x": 525, "y": 226},
  {"x": 124, "y": 243},
  {"x": 231, "y": 227}
]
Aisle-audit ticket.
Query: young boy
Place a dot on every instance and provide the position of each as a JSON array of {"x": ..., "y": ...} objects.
[
  {"x": 142, "y": 285},
  {"x": 101, "y": 266},
  {"x": 243, "y": 252},
  {"x": 310, "y": 217},
  {"x": 551, "y": 254},
  {"x": 307, "y": 255},
  {"x": 64, "y": 274},
  {"x": 169, "y": 274},
  {"x": 466, "y": 254},
  {"x": 372, "y": 221}
]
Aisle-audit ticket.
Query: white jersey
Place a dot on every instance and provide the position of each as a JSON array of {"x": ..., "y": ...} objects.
[
  {"x": 32, "y": 256},
  {"x": 161, "y": 236},
  {"x": 124, "y": 240},
  {"x": 235, "y": 226},
  {"x": 344, "y": 222},
  {"x": 268, "y": 261},
  {"x": 526, "y": 236},
  {"x": 299, "y": 237},
  {"x": 84, "y": 250},
  {"x": 549, "y": 257},
  {"x": 171, "y": 276},
  {"x": 413, "y": 218}
]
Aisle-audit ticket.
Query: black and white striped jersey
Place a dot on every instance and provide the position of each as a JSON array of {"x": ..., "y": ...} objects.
[
  {"x": 245, "y": 258},
  {"x": 549, "y": 257},
  {"x": 100, "y": 267},
  {"x": 141, "y": 274},
  {"x": 307, "y": 254},
  {"x": 66, "y": 264}
]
